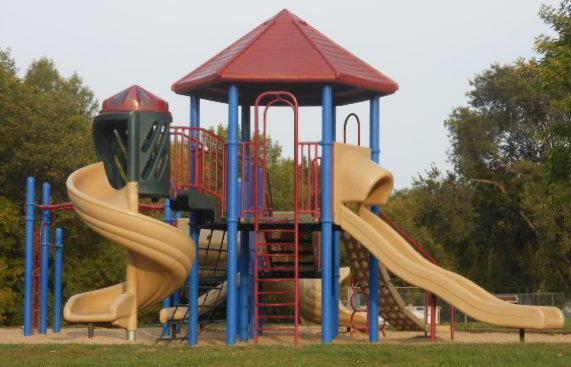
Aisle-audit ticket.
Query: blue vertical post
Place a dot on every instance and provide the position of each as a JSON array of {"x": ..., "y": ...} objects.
[
  {"x": 327, "y": 216},
  {"x": 374, "y": 270},
  {"x": 44, "y": 279},
  {"x": 58, "y": 280},
  {"x": 336, "y": 253},
  {"x": 244, "y": 235},
  {"x": 232, "y": 216},
  {"x": 30, "y": 228},
  {"x": 167, "y": 302},
  {"x": 195, "y": 233}
]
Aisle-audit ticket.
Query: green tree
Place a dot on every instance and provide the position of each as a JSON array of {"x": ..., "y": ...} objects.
[
  {"x": 46, "y": 121},
  {"x": 503, "y": 213}
]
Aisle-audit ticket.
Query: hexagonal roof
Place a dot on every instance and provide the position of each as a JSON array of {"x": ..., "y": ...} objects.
[{"x": 286, "y": 52}]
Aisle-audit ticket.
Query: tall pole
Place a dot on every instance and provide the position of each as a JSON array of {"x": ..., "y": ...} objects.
[
  {"x": 30, "y": 227},
  {"x": 245, "y": 235},
  {"x": 167, "y": 302},
  {"x": 374, "y": 264},
  {"x": 336, "y": 253},
  {"x": 193, "y": 280},
  {"x": 58, "y": 280},
  {"x": 327, "y": 216},
  {"x": 46, "y": 229},
  {"x": 232, "y": 215}
]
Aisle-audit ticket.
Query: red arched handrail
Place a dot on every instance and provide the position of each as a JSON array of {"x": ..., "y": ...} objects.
[{"x": 352, "y": 114}]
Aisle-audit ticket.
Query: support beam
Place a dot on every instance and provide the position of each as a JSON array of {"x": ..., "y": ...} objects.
[
  {"x": 374, "y": 264},
  {"x": 232, "y": 216},
  {"x": 30, "y": 233},
  {"x": 58, "y": 292},
  {"x": 245, "y": 236},
  {"x": 44, "y": 278},
  {"x": 168, "y": 301},
  {"x": 336, "y": 250},
  {"x": 327, "y": 322},
  {"x": 195, "y": 234}
]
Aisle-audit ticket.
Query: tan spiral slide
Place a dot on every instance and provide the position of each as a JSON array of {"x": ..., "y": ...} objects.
[
  {"x": 360, "y": 183},
  {"x": 159, "y": 256}
]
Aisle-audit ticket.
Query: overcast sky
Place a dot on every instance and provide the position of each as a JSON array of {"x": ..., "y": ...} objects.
[{"x": 431, "y": 48}]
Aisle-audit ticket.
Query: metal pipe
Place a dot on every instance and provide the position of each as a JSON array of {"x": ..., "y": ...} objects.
[
  {"x": 30, "y": 228},
  {"x": 44, "y": 279},
  {"x": 374, "y": 264},
  {"x": 168, "y": 301},
  {"x": 327, "y": 215},
  {"x": 433, "y": 317},
  {"x": 244, "y": 235},
  {"x": 58, "y": 281},
  {"x": 336, "y": 278},
  {"x": 232, "y": 216},
  {"x": 193, "y": 279}
]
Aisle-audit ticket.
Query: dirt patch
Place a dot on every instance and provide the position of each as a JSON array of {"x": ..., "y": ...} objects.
[{"x": 216, "y": 335}]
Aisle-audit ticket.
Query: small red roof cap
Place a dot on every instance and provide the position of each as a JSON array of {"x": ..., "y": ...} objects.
[
  {"x": 135, "y": 98},
  {"x": 286, "y": 52}
]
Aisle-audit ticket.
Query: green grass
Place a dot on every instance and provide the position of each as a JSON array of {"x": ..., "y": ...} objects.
[{"x": 287, "y": 356}]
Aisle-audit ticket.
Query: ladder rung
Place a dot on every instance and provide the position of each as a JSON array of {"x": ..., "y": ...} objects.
[
  {"x": 261, "y": 328},
  {"x": 274, "y": 230},
  {"x": 262, "y": 293},
  {"x": 278, "y": 268},
  {"x": 275, "y": 244},
  {"x": 276, "y": 304},
  {"x": 281, "y": 317},
  {"x": 277, "y": 280},
  {"x": 289, "y": 254}
]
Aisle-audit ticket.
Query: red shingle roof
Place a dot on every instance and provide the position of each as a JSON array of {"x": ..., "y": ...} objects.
[{"x": 286, "y": 53}]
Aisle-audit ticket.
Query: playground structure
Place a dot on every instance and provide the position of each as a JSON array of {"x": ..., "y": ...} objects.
[{"x": 278, "y": 267}]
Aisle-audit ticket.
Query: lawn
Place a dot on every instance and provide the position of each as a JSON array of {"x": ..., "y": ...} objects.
[{"x": 272, "y": 356}]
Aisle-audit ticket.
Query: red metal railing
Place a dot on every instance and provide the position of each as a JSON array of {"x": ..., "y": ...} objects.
[
  {"x": 268, "y": 265},
  {"x": 250, "y": 165},
  {"x": 309, "y": 175},
  {"x": 429, "y": 298},
  {"x": 198, "y": 161}
]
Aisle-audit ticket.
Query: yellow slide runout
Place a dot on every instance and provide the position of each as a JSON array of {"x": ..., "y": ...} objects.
[
  {"x": 159, "y": 256},
  {"x": 352, "y": 171}
]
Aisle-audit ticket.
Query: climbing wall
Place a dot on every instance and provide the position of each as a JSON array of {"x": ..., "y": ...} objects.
[{"x": 393, "y": 308}]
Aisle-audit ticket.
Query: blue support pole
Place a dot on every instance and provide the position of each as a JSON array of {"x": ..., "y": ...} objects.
[
  {"x": 167, "y": 302},
  {"x": 193, "y": 279},
  {"x": 374, "y": 270},
  {"x": 327, "y": 322},
  {"x": 244, "y": 235},
  {"x": 336, "y": 277},
  {"x": 30, "y": 229},
  {"x": 232, "y": 216},
  {"x": 336, "y": 250},
  {"x": 44, "y": 279},
  {"x": 58, "y": 281}
]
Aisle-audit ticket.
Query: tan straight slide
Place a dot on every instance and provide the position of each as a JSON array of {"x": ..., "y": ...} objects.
[
  {"x": 159, "y": 256},
  {"x": 359, "y": 182}
]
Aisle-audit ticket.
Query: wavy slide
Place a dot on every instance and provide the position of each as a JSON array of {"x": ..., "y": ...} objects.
[
  {"x": 159, "y": 256},
  {"x": 359, "y": 180}
]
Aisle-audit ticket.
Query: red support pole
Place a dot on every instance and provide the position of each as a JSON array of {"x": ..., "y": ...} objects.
[{"x": 433, "y": 318}]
